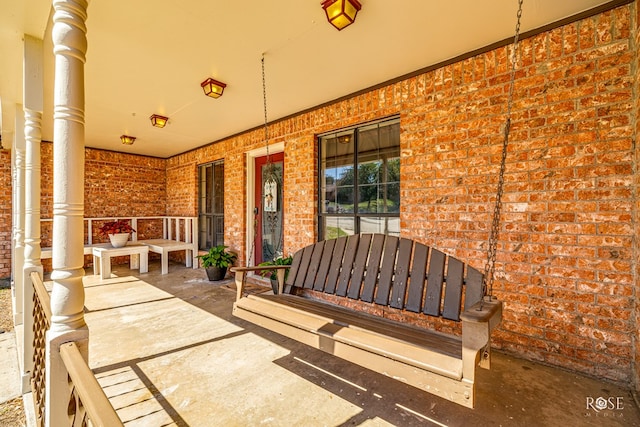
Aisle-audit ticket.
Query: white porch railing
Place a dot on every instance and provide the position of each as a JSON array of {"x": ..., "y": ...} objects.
[
  {"x": 87, "y": 403},
  {"x": 175, "y": 229}
]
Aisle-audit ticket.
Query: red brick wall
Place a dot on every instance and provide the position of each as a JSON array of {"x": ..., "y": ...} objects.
[
  {"x": 567, "y": 264},
  {"x": 181, "y": 182},
  {"x": 636, "y": 219},
  {"x": 119, "y": 184},
  {"x": 116, "y": 184},
  {"x": 6, "y": 222}
]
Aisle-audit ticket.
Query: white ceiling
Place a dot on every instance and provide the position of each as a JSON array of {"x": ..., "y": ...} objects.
[{"x": 147, "y": 57}]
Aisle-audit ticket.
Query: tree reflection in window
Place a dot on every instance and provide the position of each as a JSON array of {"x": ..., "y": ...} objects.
[{"x": 360, "y": 180}]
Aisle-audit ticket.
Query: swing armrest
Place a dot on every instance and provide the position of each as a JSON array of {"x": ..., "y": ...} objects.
[
  {"x": 482, "y": 312},
  {"x": 477, "y": 323},
  {"x": 241, "y": 276}
]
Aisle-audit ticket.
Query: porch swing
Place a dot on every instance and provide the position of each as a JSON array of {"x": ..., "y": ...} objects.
[{"x": 394, "y": 278}]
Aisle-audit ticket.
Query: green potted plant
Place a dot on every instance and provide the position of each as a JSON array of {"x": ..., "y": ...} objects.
[
  {"x": 273, "y": 275},
  {"x": 216, "y": 262}
]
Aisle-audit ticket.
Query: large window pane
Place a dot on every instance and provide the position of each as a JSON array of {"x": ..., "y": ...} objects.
[
  {"x": 335, "y": 227},
  {"x": 338, "y": 173},
  {"x": 384, "y": 225},
  {"x": 211, "y": 205},
  {"x": 360, "y": 178}
]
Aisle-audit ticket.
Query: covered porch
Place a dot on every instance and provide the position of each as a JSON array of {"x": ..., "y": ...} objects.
[
  {"x": 224, "y": 371},
  {"x": 165, "y": 349}
]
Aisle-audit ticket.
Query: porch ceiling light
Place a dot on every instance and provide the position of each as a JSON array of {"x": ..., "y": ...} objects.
[
  {"x": 341, "y": 13},
  {"x": 213, "y": 88},
  {"x": 126, "y": 139},
  {"x": 158, "y": 120}
]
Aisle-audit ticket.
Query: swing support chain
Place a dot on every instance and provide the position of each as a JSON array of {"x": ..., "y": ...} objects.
[
  {"x": 269, "y": 174},
  {"x": 269, "y": 166},
  {"x": 487, "y": 284}
]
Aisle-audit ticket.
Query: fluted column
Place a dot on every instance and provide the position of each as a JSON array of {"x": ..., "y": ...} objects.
[
  {"x": 33, "y": 105},
  {"x": 67, "y": 297},
  {"x": 18, "y": 213}
]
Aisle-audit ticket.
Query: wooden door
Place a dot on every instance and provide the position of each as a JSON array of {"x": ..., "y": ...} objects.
[{"x": 269, "y": 197}]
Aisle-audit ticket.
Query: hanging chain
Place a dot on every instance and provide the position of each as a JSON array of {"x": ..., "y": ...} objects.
[
  {"x": 266, "y": 139},
  {"x": 269, "y": 166},
  {"x": 264, "y": 102},
  {"x": 271, "y": 171},
  {"x": 269, "y": 175},
  {"x": 487, "y": 284}
]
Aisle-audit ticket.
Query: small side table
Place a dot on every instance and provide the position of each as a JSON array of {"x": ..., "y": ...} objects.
[{"x": 138, "y": 257}]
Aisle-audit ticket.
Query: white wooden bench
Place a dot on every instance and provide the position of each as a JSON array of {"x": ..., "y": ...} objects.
[
  {"x": 178, "y": 234},
  {"x": 47, "y": 253},
  {"x": 395, "y": 278}
]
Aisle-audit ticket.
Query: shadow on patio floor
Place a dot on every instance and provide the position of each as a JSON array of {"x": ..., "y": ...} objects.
[{"x": 168, "y": 352}]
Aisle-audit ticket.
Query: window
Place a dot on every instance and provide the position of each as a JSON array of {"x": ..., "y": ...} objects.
[
  {"x": 211, "y": 205},
  {"x": 359, "y": 180}
]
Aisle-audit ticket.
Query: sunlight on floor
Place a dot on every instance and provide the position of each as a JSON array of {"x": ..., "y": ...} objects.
[
  {"x": 352, "y": 384},
  {"x": 165, "y": 361}
]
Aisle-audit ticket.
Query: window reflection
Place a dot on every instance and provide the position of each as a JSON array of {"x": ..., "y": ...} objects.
[{"x": 360, "y": 177}]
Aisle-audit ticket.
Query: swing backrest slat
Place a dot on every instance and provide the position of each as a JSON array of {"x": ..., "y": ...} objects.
[{"x": 387, "y": 271}]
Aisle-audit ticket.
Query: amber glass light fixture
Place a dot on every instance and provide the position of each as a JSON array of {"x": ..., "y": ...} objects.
[
  {"x": 158, "y": 120},
  {"x": 213, "y": 88},
  {"x": 126, "y": 139},
  {"x": 341, "y": 13}
]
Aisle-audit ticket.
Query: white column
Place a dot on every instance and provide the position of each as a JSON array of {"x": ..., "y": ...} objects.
[
  {"x": 33, "y": 105},
  {"x": 67, "y": 296},
  {"x": 18, "y": 214}
]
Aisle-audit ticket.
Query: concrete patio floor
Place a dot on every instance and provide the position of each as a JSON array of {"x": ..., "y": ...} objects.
[{"x": 167, "y": 352}]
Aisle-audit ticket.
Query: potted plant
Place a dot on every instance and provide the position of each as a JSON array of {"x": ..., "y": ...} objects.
[
  {"x": 273, "y": 274},
  {"x": 216, "y": 261},
  {"x": 117, "y": 231}
]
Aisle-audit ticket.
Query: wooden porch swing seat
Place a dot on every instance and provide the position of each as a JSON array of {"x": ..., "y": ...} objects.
[{"x": 387, "y": 274}]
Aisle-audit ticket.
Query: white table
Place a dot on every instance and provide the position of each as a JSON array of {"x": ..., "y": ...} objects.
[
  {"x": 164, "y": 246},
  {"x": 138, "y": 257}
]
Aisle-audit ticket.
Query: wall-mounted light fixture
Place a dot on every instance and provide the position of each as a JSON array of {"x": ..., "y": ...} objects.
[
  {"x": 158, "y": 120},
  {"x": 126, "y": 139},
  {"x": 213, "y": 88},
  {"x": 341, "y": 13}
]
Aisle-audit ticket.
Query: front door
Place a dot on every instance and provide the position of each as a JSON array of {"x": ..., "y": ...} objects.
[{"x": 268, "y": 201}]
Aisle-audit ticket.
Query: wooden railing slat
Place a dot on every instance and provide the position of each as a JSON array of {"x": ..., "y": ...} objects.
[
  {"x": 387, "y": 270},
  {"x": 41, "y": 323},
  {"x": 453, "y": 291},
  {"x": 323, "y": 268},
  {"x": 336, "y": 264},
  {"x": 316, "y": 256},
  {"x": 304, "y": 266},
  {"x": 359, "y": 265},
  {"x": 473, "y": 285},
  {"x": 435, "y": 280},
  {"x": 293, "y": 271},
  {"x": 347, "y": 265},
  {"x": 89, "y": 392},
  {"x": 373, "y": 268},
  {"x": 417, "y": 278},
  {"x": 402, "y": 274}
]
